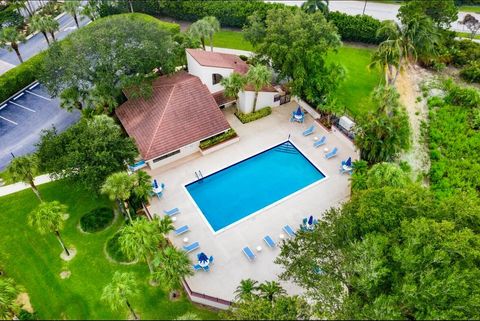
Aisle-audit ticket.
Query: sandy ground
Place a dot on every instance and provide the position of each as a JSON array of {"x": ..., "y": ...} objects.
[
  {"x": 408, "y": 86},
  {"x": 24, "y": 301}
]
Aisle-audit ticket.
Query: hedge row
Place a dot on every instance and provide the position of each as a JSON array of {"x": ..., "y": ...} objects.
[
  {"x": 246, "y": 118},
  {"x": 215, "y": 140},
  {"x": 21, "y": 76},
  {"x": 359, "y": 28}
]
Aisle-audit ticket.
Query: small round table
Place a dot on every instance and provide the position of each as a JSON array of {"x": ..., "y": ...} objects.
[
  {"x": 325, "y": 150},
  {"x": 315, "y": 138},
  {"x": 281, "y": 236},
  {"x": 259, "y": 248},
  {"x": 185, "y": 240},
  {"x": 174, "y": 219}
]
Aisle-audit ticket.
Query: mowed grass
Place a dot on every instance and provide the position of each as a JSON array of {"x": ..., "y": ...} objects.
[
  {"x": 354, "y": 91},
  {"x": 33, "y": 261},
  {"x": 469, "y": 9}
]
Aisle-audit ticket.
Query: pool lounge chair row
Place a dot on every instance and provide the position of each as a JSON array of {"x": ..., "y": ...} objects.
[
  {"x": 269, "y": 241},
  {"x": 310, "y": 130},
  {"x": 183, "y": 229}
]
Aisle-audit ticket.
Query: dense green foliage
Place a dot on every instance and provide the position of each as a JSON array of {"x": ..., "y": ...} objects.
[
  {"x": 9, "y": 17},
  {"x": 114, "y": 249},
  {"x": 97, "y": 219},
  {"x": 442, "y": 12},
  {"x": 246, "y": 118},
  {"x": 359, "y": 28},
  {"x": 87, "y": 152},
  {"x": 20, "y": 77},
  {"x": 215, "y": 140},
  {"x": 111, "y": 54},
  {"x": 471, "y": 72},
  {"x": 76, "y": 297},
  {"x": 401, "y": 254},
  {"x": 454, "y": 141}
]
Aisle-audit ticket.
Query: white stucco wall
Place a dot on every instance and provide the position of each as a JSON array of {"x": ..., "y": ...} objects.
[
  {"x": 265, "y": 99},
  {"x": 184, "y": 151},
  {"x": 205, "y": 73}
]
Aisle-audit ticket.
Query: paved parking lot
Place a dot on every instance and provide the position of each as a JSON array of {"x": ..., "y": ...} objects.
[{"x": 24, "y": 116}]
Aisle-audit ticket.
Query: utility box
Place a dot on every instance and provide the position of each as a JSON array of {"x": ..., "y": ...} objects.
[{"x": 346, "y": 123}]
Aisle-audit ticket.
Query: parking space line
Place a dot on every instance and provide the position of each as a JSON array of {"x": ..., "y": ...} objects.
[
  {"x": 33, "y": 86},
  {"x": 3, "y": 106},
  {"x": 10, "y": 121},
  {"x": 28, "y": 91},
  {"x": 15, "y": 98},
  {"x": 33, "y": 111}
]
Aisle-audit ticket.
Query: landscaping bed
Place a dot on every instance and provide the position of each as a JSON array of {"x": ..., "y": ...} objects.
[
  {"x": 97, "y": 219},
  {"x": 114, "y": 251},
  {"x": 218, "y": 139},
  {"x": 247, "y": 118}
]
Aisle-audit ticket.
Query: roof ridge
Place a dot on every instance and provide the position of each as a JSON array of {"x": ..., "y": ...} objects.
[{"x": 161, "y": 119}]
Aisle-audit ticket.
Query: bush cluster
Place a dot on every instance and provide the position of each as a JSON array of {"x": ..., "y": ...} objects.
[
  {"x": 97, "y": 219},
  {"x": 212, "y": 141},
  {"x": 359, "y": 28},
  {"x": 246, "y": 118},
  {"x": 9, "y": 17},
  {"x": 114, "y": 251},
  {"x": 471, "y": 72}
]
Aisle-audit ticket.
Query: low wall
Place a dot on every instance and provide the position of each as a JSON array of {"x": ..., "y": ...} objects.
[
  {"x": 307, "y": 107},
  {"x": 206, "y": 299},
  {"x": 341, "y": 136}
]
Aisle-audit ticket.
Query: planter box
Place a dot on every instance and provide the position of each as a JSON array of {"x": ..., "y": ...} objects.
[{"x": 221, "y": 145}]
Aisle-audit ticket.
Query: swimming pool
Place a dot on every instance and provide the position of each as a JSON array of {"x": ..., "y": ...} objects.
[{"x": 241, "y": 189}]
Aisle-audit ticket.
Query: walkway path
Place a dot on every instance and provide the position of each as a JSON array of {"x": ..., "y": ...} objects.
[{"x": 13, "y": 188}]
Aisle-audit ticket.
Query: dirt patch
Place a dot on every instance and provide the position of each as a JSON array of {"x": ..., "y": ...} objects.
[
  {"x": 408, "y": 86},
  {"x": 24, "y": 301},
  {"x": 65, "y": 257},
  {"x": 65, "y": 274}
]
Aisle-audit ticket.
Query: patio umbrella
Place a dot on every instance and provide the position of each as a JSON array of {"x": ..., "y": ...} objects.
[
  {"x": 299, "y": 111},
  {"x": 310, "y": 220},
  {"x": 202, "y": 257},
  {"x": 349, "y": 162},
  {"x": 155, "y": 184}
]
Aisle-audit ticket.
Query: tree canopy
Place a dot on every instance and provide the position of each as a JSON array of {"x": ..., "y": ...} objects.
[
  {"x": 87, "y": 152},
  {"x": 109, "y": 55},
  {"x": 442, "y": 12}
]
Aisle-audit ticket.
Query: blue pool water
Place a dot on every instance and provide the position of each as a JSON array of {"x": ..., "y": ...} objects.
[{"x": 237, "y": 191}]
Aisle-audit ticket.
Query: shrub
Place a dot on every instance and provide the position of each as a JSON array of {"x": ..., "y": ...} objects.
[
  {"x": 246, "y": 118},
  {"x": 464, "y": 52},
  {"x": 476, "y": 118},
  {"x": 25, "y": 315},
  {"x": 97, "y": 219},
  {"x": 243, "y": 57},
  {"x": 360, "y": 28},
  {"x": 462, "y": 96},
  {"x": 471, "y": 72},
  {"x": 212, "y": 141},
  {"x": 21, "y": 76},
  {"x": 114, "y": 251}
]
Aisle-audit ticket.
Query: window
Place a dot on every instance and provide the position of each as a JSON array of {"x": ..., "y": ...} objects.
[
  {"x": 156, "y": 160},
  {"x": 216, "y": 78},
  {"x": 276, "y": 98}
]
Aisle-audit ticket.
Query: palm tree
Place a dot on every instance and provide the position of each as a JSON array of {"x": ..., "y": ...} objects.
[
  {"x": 387, "y": 174},
  {"x": 140, "y": 240},
  {"x": 130, "y": 5},
  {"x": 48, "y": 217},
  {"x": 24, "y": 169},
  {"x": 271, "y": 290},
  {"x": 172, "y": 265},
  {"x": 122, "y": 288},
  {"x": 142, "y": 186},
  {"x": 119, "y": 186},
  {"x": 52, "y": 25},
  {"x": 90, "y": 10},
  {"x": 311, "y": 6},
  {"x": 9, "y": 292},
  {"x": 214, "y": 27},
  {"x": 11, "y": 38},
  {"x": 164, "y": 226},
  {"x": 71, "y": 98},
  {"x": 258, "y": 76},
  {"x": 233, "y": 84},
  {"x": 37, "y": 23},
  {"x": 204, "y": 28},
  {"x": 246, "y": 289},
  {"x": 100, "y": 101},
  {"x": 72, "y": 7}
]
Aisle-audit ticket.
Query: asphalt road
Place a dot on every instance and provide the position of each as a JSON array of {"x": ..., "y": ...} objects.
[
  {"x": 8, "y": 59},
  {"x": 380, "y": 11}
]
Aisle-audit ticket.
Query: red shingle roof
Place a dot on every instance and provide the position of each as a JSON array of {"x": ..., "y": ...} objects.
[
  {"x": 221, "y": 99},
  {"x": 219, "y": 60},
  {"x": 181, "y": 111}
]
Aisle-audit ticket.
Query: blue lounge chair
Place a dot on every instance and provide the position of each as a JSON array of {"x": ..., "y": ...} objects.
[
  {"x": 197, "y": 267},
  {"x": 269, "y": 241},
  {"x": 191, "y": 247},
  {"x": 206, "y": 268},
  {"x": 173, "y": 211},
  {"x": 287, "y": 229},
  {"x": 332, "y": 153},
  {"x": 309, "y": 131},
  {"x": 181, "y": 230},
  {"x": 248, "y": 253},
  {"x": 320, "y": 142},
  {"x": 211, "y": 259}
]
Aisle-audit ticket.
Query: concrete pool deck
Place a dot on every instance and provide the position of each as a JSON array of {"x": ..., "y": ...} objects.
[{"x": 231, "y": 265}]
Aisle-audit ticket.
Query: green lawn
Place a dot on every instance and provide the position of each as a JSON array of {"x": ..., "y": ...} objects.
[
  {"x": 359, "y": 83},
  {"x": 467, "y": 35},
  {"x": 469, "y": 9},
  {"x": 354, "y": 92},
  {"x": 33, "y": 261},
  {"x": 231, "y": 39}
]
